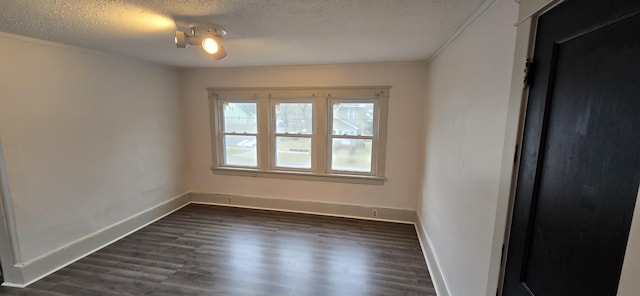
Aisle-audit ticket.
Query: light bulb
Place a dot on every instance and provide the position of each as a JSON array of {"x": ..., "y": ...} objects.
[{"x": 210, "y": 45}]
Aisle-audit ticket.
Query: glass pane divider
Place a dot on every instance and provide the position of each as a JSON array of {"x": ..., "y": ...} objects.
[
  {"x": 352, "y": 137},
  {"x": 239, "y": 134},
  {"x": 294, "y": 135}
]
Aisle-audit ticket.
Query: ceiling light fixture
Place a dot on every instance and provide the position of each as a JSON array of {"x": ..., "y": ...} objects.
[{"x": 209, "y": 37}]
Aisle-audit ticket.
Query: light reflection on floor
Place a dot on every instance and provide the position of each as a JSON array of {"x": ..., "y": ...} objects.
[{"x": 294, "y": 260}]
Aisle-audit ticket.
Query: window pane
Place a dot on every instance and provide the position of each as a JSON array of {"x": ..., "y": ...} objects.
[
  {"x": 240, "y": 151},
  {"x": 293, "y": 152},
  {"x": 294, "y": 118},
  {"x": 240, "y": 118},
  {"x": 351, "y": 155},
  {"x": 353, "y": 119}
]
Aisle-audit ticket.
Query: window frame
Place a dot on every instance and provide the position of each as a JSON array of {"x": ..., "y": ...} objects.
[
  {"x": 373, "y": 137},
  {"x": 220, "y": 133},
  {"x": 321, "y": 137},
  {"x": 273, "y": 134}
]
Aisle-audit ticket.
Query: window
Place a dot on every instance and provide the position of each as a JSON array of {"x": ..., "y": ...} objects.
[
  {"x": 292, "y": 134},
  {"x": 329, "y": 134},
  {"x": 239, "y": 133},
  {"x": 352, "y": 136}
]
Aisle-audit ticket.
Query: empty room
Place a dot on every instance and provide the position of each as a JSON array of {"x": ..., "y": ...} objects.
[{"x": 320, "y": 147}]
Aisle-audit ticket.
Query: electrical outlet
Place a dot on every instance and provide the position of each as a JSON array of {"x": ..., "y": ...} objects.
[{"x": 374, "y": 213}]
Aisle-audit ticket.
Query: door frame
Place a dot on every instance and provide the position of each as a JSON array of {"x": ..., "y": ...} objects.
[
  {"x": 529, "y": 11},
  {"x": 9, "y": 249}
]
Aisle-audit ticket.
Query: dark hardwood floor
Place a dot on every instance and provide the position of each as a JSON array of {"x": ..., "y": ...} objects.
[{"x": 213, "y": 250}]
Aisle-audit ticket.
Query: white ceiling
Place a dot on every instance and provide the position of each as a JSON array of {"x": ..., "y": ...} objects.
[{"x": 260, "y": 32}]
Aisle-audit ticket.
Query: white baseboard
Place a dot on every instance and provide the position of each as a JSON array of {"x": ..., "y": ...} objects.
[
  {"x": 26, "y": 273},
  {"x": 37, "y": 268},
  {"x": 439, "y": 282},
  {"x": 307, "y": 207}
]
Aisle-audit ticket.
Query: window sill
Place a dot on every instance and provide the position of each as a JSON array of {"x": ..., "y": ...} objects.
[{"x": 355, "y": 179}]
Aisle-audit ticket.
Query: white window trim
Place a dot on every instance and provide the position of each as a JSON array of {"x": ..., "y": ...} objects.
[
  {"x": 321, "y": 145},
  {"x": 273, "y": 134},
  {"x": 373, "y": 138},
  {"x": 220, "y": 134}
]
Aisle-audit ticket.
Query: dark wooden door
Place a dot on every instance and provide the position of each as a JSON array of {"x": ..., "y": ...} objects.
[{"x": 580, "y": 161}]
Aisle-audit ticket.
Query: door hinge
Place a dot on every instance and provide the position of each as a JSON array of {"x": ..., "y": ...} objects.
[
  {"x": 528, "y": 73},
  {"x": 515, "y": 154}
]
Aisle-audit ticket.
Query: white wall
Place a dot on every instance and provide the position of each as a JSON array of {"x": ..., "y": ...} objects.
[
  {"x": 89, "y": 140},
  {"x": 466, "y": 109},
  {"x": 404, "y": 144}
]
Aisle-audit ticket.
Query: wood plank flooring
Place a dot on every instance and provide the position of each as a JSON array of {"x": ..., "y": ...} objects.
[{"x": 214, "y": 250}]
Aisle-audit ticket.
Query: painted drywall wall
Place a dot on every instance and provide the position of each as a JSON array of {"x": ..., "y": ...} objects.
[
  {"x": 89, "y": 139},
  {"x": 404, "y": 130},
  {"x": 466, "y": 110}
]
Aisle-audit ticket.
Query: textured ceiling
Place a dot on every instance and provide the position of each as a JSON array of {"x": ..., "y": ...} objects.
[{"x": 260, "y": 32}]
